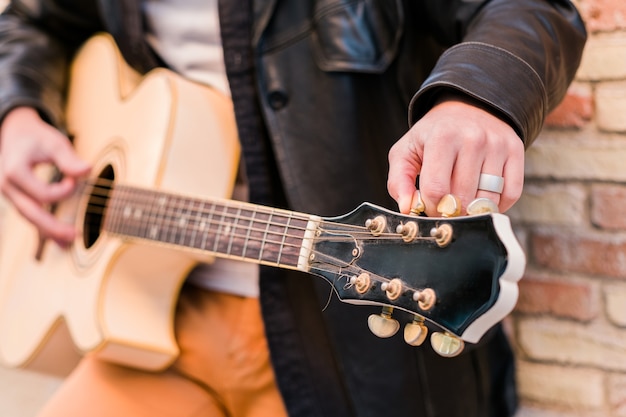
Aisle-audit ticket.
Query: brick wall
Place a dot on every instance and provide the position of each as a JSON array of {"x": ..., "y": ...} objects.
[{"x": 569, "y": 327}]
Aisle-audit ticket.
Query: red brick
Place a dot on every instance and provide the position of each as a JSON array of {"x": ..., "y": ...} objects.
[
  {"x": 575, "y": 111},
  {"x": 603, "y": 15},
  {"x": 558, "y": 297},
  {"x": 607, "y": 206},
  {"x": 591, "y": 254}
]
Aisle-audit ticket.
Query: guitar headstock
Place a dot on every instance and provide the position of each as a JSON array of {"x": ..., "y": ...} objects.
[{"x": 458, "y": 273}]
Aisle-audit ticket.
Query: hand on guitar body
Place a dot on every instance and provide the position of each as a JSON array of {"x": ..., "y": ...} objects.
[
  {"x": 27, "y": 141},
  {"x": 448, "y": 149}
]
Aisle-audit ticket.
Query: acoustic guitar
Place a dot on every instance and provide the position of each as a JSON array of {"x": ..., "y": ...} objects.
[{"x": 165, "y": 154}]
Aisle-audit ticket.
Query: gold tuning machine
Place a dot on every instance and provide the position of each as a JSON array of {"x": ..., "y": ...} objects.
[
  {"x": 446, "y": 344},
  {"x": 383, "y": 325}
]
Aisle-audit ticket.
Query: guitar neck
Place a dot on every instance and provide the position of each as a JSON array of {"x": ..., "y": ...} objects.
[{"x": 223, "y": 228}]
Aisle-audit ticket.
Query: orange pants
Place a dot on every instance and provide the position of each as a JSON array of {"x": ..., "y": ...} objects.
[{"x": 223, "y": 370}]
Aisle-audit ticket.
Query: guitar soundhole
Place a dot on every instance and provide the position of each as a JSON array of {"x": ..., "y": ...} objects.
[{"x": 96, "y": 206}]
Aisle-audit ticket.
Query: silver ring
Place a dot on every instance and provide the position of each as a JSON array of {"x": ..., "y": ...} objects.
[{"x": 493, "y": 183}]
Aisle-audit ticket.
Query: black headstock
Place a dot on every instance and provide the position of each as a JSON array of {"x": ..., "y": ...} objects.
[{"x": 458, "y": 273}]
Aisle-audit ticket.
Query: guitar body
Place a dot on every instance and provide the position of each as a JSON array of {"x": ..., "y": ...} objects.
[{"x": 107, "y": 295}]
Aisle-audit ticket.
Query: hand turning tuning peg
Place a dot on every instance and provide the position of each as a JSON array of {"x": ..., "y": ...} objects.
[{"x": 383, "y": 325}]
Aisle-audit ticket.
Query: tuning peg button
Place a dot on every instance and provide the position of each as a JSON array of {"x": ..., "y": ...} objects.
[
  {"x": 415, "y": 332},
  {"x": 446, "y": 344},
  {"x": 482, "y": 206},
  {"x": 449, "y": 206},
  {"x": 383, "y": 325}
]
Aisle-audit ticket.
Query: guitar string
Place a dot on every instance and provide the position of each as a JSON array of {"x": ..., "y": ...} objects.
[
  {"x": 264, "y": 251},
  {"x": 346, "y": 272},
  {"x": 360, "y": 232}
]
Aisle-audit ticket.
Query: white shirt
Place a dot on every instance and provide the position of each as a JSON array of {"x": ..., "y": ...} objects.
[{"x": 186, "y": 35}]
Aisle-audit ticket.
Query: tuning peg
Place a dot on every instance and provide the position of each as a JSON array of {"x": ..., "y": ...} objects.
[
  {"x": 446, "y": 344},
  {"x": 426, "y": 298},
  {"x": 417, "y": 204},
  {"x": 383, "y": 325},
  {"x": 449, "y": 206},
  {"x": 408, "y": 231},
  {"x": 442, "y": 234},
  {"x": 415, "y": 332},
  {"x": 376, "y": 225},
  {"x": 482, "y": 206}
]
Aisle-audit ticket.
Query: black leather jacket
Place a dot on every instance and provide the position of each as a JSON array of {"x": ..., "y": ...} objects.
[{"x": 333, "y": 80}]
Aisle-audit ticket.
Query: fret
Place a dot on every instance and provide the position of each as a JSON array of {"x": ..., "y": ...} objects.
[
  {"x": 256, "y": 235},
  {"x": 244, "y": 249},
  {"x": 184, "y": 221},
  {"x": 125, "y": 212},
  {"x": 163, "y": 213},
  {"x": 144, "y": 226},
  {"x": 273, "y": 246},
  {"x": 241, "y": 230},
  {"x": 294, "y": 240},
  {"x": 218, "y": 232},
  {"x": 233, "y": 231},
  {"x": 174, "y": 220},
  {"x": 145, "y": 213},
  {"x": 228, "y": 230},
  {"x": 282, "y": 243},
  {"x": 198, "y": 225},
  {"x": 206, "y": 224},
  {"x": 178, "y": 222},
  {"x": 161, "y": 209},
  {"x": 264, "y": 239}
]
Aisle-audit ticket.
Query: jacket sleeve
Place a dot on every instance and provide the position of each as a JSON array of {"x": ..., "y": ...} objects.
[
  {"x": 517, "y": 57},
  {"x": 37, "y": 39}
]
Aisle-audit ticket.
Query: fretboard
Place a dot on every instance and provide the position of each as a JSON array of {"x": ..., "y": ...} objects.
[{"x": 224, "y": 228}]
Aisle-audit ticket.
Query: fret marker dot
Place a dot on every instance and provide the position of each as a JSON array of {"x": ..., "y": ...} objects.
[{"x": 127, "y": 212}]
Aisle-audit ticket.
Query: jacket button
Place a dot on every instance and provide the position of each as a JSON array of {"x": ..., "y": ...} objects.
[{"x": 277, "y": 99}]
